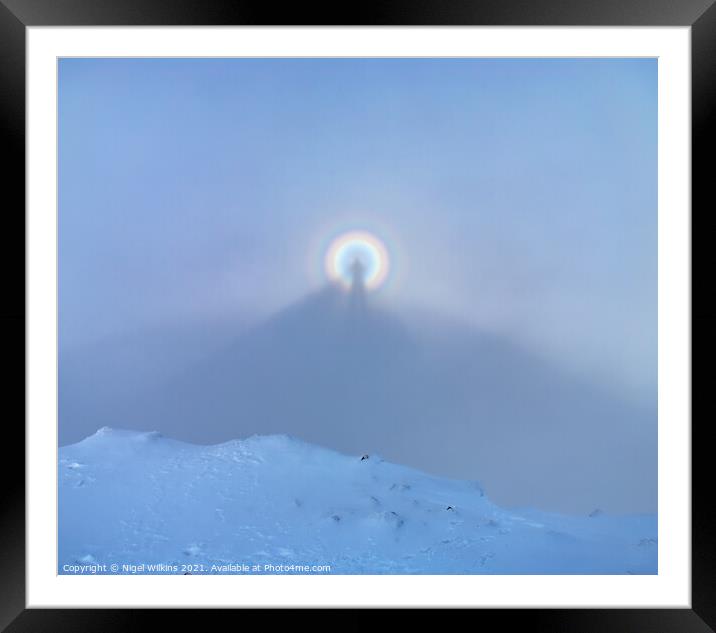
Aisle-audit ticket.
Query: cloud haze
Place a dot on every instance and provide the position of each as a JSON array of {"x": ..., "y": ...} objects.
[{"x": 516, "y": 197}]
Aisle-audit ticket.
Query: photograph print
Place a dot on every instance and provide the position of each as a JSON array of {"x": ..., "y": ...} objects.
[{"x": 357, "y": 316}]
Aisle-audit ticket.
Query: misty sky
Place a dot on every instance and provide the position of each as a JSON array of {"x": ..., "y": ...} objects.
[{"x": 516, "y": 195}]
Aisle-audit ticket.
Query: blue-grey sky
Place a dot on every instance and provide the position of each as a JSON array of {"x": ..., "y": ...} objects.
[{"x": 516, "y": 195}]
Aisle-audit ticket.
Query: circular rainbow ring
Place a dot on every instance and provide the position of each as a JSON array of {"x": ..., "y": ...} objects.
[{"x": 366, "y": 247}]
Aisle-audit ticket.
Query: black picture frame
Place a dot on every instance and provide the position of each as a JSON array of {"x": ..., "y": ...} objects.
[{"x": 16, "y": 15}]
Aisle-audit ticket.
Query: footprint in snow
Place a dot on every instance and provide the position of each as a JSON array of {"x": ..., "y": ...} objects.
[
  {"x": 192, "y": 550},
  {"x": 83, "y": 481},
  {"x": 401, "y": 487},
  {"x": 484, "y": 559}
]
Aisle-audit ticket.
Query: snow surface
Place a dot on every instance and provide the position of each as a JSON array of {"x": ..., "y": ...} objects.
[{"x": 132, "y": 498}]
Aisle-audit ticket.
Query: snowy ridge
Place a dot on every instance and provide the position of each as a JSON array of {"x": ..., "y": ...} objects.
[{"x": 132, "y": 498}]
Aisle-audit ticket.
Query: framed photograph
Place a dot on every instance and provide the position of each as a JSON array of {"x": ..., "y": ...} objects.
[{"x": 382, "y": 310}]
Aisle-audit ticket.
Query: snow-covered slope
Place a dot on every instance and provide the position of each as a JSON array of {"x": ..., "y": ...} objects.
[{"x": 131, "y": 498}]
